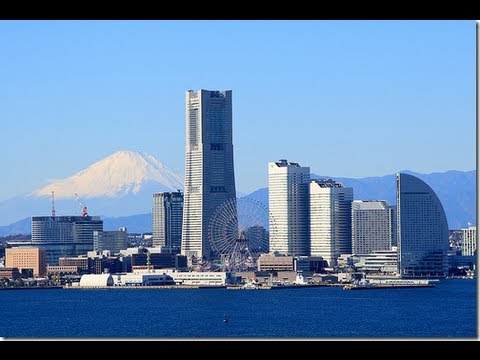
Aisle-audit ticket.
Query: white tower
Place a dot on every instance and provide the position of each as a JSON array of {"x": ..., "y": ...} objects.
[
  {"x": 288, "y": 205},
  {"x": 330, "y": 220}
]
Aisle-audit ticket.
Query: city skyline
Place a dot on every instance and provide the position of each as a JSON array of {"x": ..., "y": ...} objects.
[{"x": 370, "y": 81}]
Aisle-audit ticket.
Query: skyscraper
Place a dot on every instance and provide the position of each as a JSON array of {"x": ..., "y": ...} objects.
[
  {"x": 209, "y": 175},
  {"x": 372, "y": 226},
  {"x": 330, "y": 220},
  {"x": 422, "y": 230},
  {"x": 288, "y": 205},
  {"x": 167, "y": 217}
]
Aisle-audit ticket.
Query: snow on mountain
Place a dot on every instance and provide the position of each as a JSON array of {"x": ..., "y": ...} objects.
[
  {"x": 122, "y": 173},
  {"x": 119, "y": 185}
]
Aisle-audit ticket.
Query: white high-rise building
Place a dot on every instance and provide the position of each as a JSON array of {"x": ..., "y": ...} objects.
[
  {"x": 469, "y": 241},
  {"x": 167, "y": 217},
  {"x": 372, "y": 226},
  {"x": 330, "y": 220},
  {"x": 288, "y": 205},
  {"x": 209, "y": 175}
]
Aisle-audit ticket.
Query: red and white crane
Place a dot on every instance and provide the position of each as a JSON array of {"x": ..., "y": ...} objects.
[{"x": 84, "y": 208}]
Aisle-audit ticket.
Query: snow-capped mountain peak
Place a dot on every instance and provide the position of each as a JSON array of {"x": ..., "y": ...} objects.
[{"x": 122, "y": 173}]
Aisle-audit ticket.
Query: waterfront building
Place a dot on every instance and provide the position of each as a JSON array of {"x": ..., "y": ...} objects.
[
  {"x": 209, "y": 171},
  {"x": 372, "y": 226},
  {"x": 330, "y": 220},
  {"x": 113, "y": 241},
  {"x": 469, "y": 241},
  {"x": 64, "y": 236},
  {"x": 204, "y": 278},
  {"x": 139, "y": 278},
  {"x": 309, "y": 263},
  {"x": 379, "y": 261},
  {"x": 167, "y": 218},
  {"x": 288, "y": 195},
  {"x": 275, "y": 262},
  {"x": 170, "y": 277},
  {"x": 96, "y": 280},
  {"x": 29, "y": 261},
  {"x": 422, "y": 230}
]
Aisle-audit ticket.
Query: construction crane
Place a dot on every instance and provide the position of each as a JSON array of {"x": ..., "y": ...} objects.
[
  {"x": 53, "y": 205},
  {"x": 84, "y": 208}
]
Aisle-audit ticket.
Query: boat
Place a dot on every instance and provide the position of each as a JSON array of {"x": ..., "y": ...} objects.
[{"x": 390, "y": 283}]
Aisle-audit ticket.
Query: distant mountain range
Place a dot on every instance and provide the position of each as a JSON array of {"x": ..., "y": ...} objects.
[{"x": 119, "y": 188}]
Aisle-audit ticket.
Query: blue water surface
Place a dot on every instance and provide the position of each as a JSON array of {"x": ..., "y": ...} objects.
[{"x": 447, "y": 310}]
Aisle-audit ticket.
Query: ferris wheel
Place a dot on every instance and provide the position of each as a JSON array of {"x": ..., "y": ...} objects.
[{"x": 239, "y": 232}]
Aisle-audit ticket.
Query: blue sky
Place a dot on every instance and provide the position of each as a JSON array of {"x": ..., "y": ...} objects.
[{"x": 347, "y": 98}]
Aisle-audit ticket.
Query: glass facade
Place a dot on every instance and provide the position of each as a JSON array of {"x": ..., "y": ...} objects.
[
  {"x": 422, "y": 229},
  {"x": 167, "y": 218},
  {"x": 64, "y": 236},
  {"x": 209, "y": 172}
]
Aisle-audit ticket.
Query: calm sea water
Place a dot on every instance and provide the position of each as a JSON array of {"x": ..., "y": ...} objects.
[{"x": 447, "y": 310}]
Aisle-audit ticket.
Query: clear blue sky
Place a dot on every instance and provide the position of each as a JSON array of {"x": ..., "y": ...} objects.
[{"x": 347, "y": 98}]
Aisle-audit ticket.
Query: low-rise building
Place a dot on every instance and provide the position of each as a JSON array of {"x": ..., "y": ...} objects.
[
  {"x": 309, "y": 263},
  {"x": 275, "y": 262},
  {"x": 207, "y": 278},
  {"x": 171, "y": 277},
  {"x": 382, "y": 261},
  {"x": 140, "y": 278},
  {"x": 96, "y": 280},
  {"x": 60, "y": 270},
  {"x": 81, "y": 262},
  {"x": 9, "y": 273},
  {"x": 28, "y": 260}
]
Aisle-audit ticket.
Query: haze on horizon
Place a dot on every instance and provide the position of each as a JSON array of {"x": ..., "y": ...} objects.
[{"x": 347, "y": 98}]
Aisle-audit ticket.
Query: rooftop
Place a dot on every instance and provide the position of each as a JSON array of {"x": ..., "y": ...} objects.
[{"x": 327, "y": 183}]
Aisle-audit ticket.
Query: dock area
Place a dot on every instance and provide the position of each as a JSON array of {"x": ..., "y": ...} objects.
[
  {"x": 144, "y": 287},
  {"x": 385, "y": 286}
]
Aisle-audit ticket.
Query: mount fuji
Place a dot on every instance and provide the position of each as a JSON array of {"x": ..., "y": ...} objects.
[{"x": 120, "y": 185}]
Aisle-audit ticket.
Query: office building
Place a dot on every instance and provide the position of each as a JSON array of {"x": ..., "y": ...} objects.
[
  {"x": 372, "y": 226},
  {"x": 288, "y": 195},
  {"x": 209, "y": 171},
  {"x": 113, "y": 241},
  {"x": 275, "y": 262},
  {"x": 330, "y": 220},
  {"x": 64, "y": 236},
  {"x": 167, "y": 218},
  {"x": 469, "y": 241},
  {"x": 422, "y": 230},
  {"x": 309, "y": 264},
  {"x": 31, "y": 262}
]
